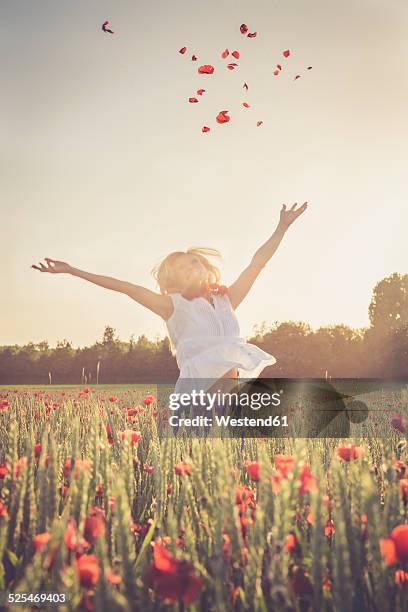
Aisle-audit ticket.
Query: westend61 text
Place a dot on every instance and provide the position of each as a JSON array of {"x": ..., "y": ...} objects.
[{"x": 210, "y": 400}]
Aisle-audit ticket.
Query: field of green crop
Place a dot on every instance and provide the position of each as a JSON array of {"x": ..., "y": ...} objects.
[{"x": 98, "y": 510}]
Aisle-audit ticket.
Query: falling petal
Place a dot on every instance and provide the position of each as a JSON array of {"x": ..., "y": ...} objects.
[
  {"x": 309, "y": 67},
  {"x": 205, "y": 129},
  {"x": 225, "y": 54},
  {"x": 276, "y": 72},
  {"x": 105, "y": 29},
  {"x": 245, "y": 86},
  {"x": 258, "y": 123},
  {"x": 297, "y": 77},
  {"x": 235, "y": 54},
  {"x": 243, "y": 28},
  {"x": 193, "y": 100},
  {"x": 252, "y": 35},
  {"x": 246, "y": 105},
  {"x": 183, "y": 50},
  {"x": 222, "y": 117},
  {"x": 286, "y": 53},
  {"x": 194, "y": 58},
  {"x": 279, "y": 66},
  {"x": 231, "y": 66},
  {"x": 200, "y": 92},
  {"x": 206, "y": 69}
]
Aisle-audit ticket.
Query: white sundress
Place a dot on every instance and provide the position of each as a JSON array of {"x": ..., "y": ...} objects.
[{"x": 208, "y": 344}]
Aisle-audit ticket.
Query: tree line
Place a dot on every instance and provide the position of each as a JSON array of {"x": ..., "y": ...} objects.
[{"x": 377, "y": 351}]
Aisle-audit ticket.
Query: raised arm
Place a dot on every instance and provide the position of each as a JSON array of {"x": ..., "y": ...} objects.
[
  {"x": 157, "y": 303},
  {"x": 240, "y": 288}
]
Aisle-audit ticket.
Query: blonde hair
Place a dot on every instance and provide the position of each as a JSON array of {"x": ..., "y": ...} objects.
[{"x": 162, "y": 272}]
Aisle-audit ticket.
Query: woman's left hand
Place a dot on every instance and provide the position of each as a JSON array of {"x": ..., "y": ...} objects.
[{"x": 287, "y": 217}]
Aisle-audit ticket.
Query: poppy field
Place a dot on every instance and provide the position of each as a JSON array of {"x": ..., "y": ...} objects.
[{"x": 96, "y": 505}]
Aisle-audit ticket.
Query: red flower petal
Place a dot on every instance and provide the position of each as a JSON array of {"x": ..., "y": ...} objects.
[
  {"x": 205, "y": 129},
  {"x": 235, "y": 54},
  {"x": 387, "y": 548},
  {"x": 279, "y": 66},
  {"x": 246, "y": 105},
  {"x": 183, "y": 50},
  {"x": 252, "y": 35},
  {"x": 297, "y": 77},
  {"x": 276, "y": 72},
  {"x": 200, "y": 92},
  {"x": 286, "y": 53},
  {"x": 194, "y": 58},
  {"x": 245, "y": 86},
  {"x": 192, "y": 100},
  {"x": 243, "y": 28},
  {"x": 231, "y": 66},
  {"x": 309, "y": 67},
  {"x": 225, "y": 54},
  {"x": 206, "y": 69},
  {"x": 222, "y": 117},
  {"x": 258, "y": 123}
]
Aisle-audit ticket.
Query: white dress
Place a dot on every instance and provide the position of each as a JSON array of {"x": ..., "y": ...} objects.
[{"x": 207, "y": 342}]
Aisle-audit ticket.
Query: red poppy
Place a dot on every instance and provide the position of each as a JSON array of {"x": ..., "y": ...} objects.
[
  {"x": 308, "y": 482},
  {"x": 395, "y": 548},
  {"x": 291, "y": 544},
  {"x": 94, "y": 527},
  {"x": 253, "y": 469},
  {"x": 3, "y": 470},
  {"x": 206, "y": 69},
  {"x": 252, "y": 35},
  {"x": 286, "y": 53},
  {"x": 285, "y": 464},
  {"x": 88, "y": 570},
  {"x": 192, "y": 100},
  {"x": 131, "y": 435},
  {"x": 149, "y": 399},
  {"x": 225, "y": 54},
  {"x": 41, "y": 540},
  {"x": 149, "y": 469},
  {"x": 181, "y": 469},
  {"x": 350, "y": 452},
  {"x": 112, "y": 577},
  {"x": 173, "y": 579},
  {"x": 243, "y": 28},
  {"x": 4, "y": 405},
  {"x": 169, "y": 488},
  {"x": 404, "y": 490},
  {"x": 37, "y": 450},
  {"x": 112, "y": 398},
  {"x": 200, "y": 92},
  {"x": 3, "y": 509},
  {"x": 222, "y": 117},
  {"x": 183, "y": 50},
  {"x": 20, "y": 465},
  {"x": 329, "y": 528}
]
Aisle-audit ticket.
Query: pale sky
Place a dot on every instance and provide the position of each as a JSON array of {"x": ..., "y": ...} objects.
[{"x": 103, "y": 163}]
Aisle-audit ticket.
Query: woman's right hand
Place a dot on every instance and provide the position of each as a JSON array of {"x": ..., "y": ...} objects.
[{"x": 55, "y": 267}]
